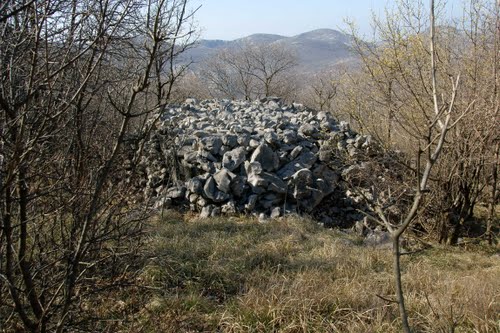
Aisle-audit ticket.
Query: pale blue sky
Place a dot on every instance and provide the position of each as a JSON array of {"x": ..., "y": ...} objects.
[{"x": 230, "y": 19}]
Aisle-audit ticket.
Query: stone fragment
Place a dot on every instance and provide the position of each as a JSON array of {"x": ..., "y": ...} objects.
[
  {"x": 254, "y": 143},
  {"x": 209, "y": 190},
  {"x": 243, "y": 139},
  {"x": 202, "y": 202},
  {"x": 206, "y": 212},
  {"x": 252, "y": 201},
  {"x": 276, "y": 212},
  {"x": 253, "y": 168},
  {"x": 233, "y": 159},
  {"x": 302, "y": 181},
  {"x": 305, "y": 161},
  {"x": 211, "y": 144},
  {"x": 163, "y": 203},
  {"x": 308, "y": 130},
  {"x": 216, "y": 211},
  {"x": 195, "y": 185},
  {"x": 325, "y": 154},
  {"x": 221, "y": 196},
  {"x": 223, "y": 180},
  {"x": 176, "y": 192},
  {"x": 263, "y": 218},
  {"x": 296, "y": 152},
  {"x": 274, "y": 183},
  {"x": 230, "y": 140},
  {"x": 266, "y": 157},
  {"x": 289, "y": 136},
  {"x": 229, "y": 208},
  {"x": 238, "y": 186},
  {"x": 193, "y": 197},
  {"x": 272, "y": 138}
]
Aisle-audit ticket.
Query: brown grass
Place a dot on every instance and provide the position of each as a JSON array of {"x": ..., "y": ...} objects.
[{"x": 290, "y": 275}]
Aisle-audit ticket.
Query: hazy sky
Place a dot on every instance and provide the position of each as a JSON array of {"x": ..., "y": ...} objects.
[{"x": 230, "y": 19}]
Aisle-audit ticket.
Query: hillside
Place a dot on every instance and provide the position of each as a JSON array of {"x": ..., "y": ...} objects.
[
  {"x": 289, "y": 275},
  {"x": 316, "y": 50}
]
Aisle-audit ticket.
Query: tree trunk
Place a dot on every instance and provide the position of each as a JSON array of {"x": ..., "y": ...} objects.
[
  {"x": 492, "y": 204},
  {"x": 399, "y": 286}
]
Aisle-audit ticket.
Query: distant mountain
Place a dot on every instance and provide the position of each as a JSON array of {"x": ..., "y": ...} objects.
[
  {"x": 316, "y": 50},
  {"x": 320, "y": 49},
  {"x": 260, "y": 39}
]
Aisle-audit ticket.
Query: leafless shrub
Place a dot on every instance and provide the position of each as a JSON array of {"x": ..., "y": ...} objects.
[{"x": 77, "y": 79}]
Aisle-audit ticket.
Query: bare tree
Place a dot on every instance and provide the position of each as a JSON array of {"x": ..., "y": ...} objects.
[
  {"x": 390, "y": 100},
  {"x": 322, "y": 89},
  {"x": 251, "y": 71},
  {"x": 75, "y": 81},
  {"x": 440, "y": 117}
]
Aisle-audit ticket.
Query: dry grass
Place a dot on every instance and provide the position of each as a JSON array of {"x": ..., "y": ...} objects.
[{"x": 236, "y": 275}]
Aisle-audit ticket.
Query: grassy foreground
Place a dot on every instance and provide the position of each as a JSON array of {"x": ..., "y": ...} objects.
[{"x": 236, "y": 275}]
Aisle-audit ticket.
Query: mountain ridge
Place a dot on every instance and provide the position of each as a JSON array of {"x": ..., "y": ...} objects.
[{"x": 317, "y": 50}]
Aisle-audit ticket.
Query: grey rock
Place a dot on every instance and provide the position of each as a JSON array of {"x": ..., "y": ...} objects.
[
  {"x": 192, "y": 101},
  {"x": 209, "y": 190},
  {"x": 176, "y": 192},
  {"x": 201, "y": 134},
  {"x": 230, "y": 140},
  {"x": 252, "y": 201},
  {"x": 352, "y": 150},
  {"x": 195, "y": 185},
  {"x": 229, "y": 208},
  {"x": 221, "y": 197},
  {"x": 208, "y": 167},
  {"x": 327, "y": 220},
  {"x": 296, "y": 151},
  {"x": 289, "y": 136},
  {"x": 289, "y": 154},
  {"x": 244, "y": 139},
  {"x": 276, "y": 212},
  {"x": 377, "y": 238},
  {"x": 368, "y": 142},
  {"x": 233, "y": 159},
  {"x": 202, "y": 202},
  {"x": 206, "y": 212},
  {"x": 308, "y": 130},
  {"x": 274, "y": 183},
  {"x": 324, "y": 172},
  {"x": 193, "y": 197},
  {"x": 359, "y": 228},
  {"x": 163, "y": 203},
  {"x": 266, "y": 157},
  {"x": 272, "y": 138},
  {"x": 344, "y": 126},
  {"x": 315, "y": 199},
  {"x": 263, "y": 218},
  {"x": 223, "y": 150},
  {"x": 256, "y": 180},
  {"x": 325, "y": 154},
  {"x": 216, "y": 211},
  {"x": 302, "y": 182},
  {"x": 207, "y": 156},
  {"x": 211, "y": 144},
  {"x": 305, "y": 161},
  {"x": 238, "y": 186},
  {"x": 253, "y": 168},
  {"x": 254, "y": 143},
  {"x": 223, "y": 180}
]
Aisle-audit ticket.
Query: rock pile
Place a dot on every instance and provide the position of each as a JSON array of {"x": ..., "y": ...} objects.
[{"x": 262, "y": 157}]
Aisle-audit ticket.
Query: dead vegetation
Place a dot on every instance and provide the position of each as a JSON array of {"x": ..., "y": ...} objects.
[{"x": 291, "y": 275}]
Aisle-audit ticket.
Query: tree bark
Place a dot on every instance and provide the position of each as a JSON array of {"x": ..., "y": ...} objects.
[{"x": 396, "y": 254}]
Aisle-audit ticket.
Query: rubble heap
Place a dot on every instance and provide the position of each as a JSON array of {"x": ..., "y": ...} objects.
[{"x": 262, "y": 157}]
